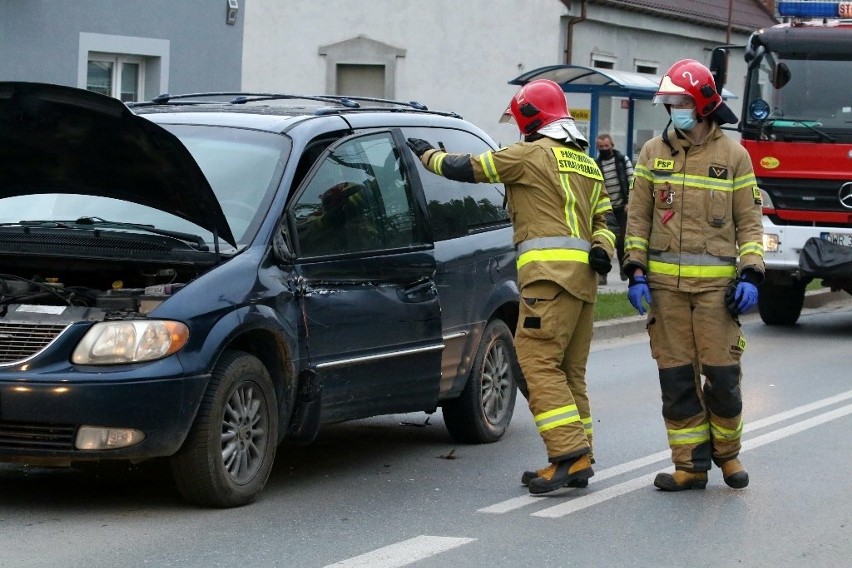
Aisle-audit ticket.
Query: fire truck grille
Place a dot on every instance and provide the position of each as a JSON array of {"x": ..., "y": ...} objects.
[{"x": 804, "y": 195}]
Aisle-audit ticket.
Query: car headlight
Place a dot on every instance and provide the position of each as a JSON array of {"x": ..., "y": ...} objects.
[{"x": 118, "y": 342}]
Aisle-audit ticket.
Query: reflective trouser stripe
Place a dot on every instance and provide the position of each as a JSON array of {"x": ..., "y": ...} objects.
[
  {"x": 553, "y": 243},
  {"x": 553, "y": 255},
  {"x": 727, "y": 434},
  {"x": 557, "y": 417},
  {"x": 697, "y": 435}
]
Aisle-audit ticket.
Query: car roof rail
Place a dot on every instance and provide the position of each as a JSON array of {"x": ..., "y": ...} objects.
[{"x": 348, "y": 102}]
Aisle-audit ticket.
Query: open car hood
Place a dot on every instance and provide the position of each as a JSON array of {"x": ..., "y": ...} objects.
[{"x": 56, "y": 139}]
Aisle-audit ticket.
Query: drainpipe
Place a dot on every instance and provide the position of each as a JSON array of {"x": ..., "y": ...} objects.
[{"x": 569, "y": 39}]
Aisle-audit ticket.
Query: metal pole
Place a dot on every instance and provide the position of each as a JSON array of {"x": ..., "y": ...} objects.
[{"x": 730, "y": 12}]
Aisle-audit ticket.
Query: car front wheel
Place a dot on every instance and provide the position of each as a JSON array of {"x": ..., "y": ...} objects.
[
  {"x": 228, "y": 454},
  {"x": 484, "y": 409}
]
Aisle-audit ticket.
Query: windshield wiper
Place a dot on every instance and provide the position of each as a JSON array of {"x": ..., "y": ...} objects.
[
  {"x": 99, "y": 223},
  {"x": 772, "y": 121}
]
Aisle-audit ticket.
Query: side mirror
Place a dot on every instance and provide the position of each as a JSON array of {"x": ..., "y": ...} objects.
[
  {"x": 780, "y": 75},
  {"x": 719, "y": 67},
  {"x": 280, "y": 245}
]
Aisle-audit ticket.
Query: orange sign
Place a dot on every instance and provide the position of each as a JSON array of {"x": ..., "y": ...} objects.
[{"x": 769, "y": 163}]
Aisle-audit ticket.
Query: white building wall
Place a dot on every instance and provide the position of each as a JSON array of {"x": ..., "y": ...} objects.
[{"x": 459, "y": 56}]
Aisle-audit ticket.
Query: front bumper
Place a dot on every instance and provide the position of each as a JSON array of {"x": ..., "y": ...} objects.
[
  {"x": 791, "y": 240},
  {"x": 39, "y": 420}
]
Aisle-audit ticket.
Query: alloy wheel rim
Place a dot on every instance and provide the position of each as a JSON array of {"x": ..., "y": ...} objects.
[
  {"x": 244, "y": 432},
  {"x": 496, "y": 381}
]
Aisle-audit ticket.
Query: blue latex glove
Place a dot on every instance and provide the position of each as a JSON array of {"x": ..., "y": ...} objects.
[
  {"x": 745, "y": 296},
  {"x": 638, "y": 290}
]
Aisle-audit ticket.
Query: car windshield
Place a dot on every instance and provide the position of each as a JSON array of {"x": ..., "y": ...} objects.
[
  {"x": 242, "y": 166},
  {"x": 816, "y": 94}
]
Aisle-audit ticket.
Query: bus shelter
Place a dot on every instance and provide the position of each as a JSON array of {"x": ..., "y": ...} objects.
[{"x": 605, "y": 85}]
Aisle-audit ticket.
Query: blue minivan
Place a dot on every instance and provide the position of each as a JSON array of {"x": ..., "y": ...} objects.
[{"x": 201, "y": 277}]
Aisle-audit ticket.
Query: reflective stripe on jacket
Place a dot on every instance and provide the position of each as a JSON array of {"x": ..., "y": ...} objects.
[{"x": 557, "y": 203}]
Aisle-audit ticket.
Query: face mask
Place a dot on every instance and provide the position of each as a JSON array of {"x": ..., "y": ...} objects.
[
  {"x": 605, "y": 154},
  {"x": 683, "y": 119}
]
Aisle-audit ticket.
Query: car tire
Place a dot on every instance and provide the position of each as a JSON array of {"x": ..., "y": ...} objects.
[
  {"x": 484, "y": 409},
  {"x": 780, "y": 304},
  {"x": 229, "y": 451}
]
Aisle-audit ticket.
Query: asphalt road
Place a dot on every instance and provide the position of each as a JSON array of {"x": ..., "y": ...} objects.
[{"x": 397, "y": 491}]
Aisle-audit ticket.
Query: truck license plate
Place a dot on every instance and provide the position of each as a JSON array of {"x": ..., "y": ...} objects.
[{"x": 837, "y": 238}]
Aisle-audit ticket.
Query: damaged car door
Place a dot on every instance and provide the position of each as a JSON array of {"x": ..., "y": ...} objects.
[{"x": 365, "y": 268}]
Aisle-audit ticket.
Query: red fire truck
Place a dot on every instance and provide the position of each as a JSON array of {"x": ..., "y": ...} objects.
[{"x": 796, "y": 124}]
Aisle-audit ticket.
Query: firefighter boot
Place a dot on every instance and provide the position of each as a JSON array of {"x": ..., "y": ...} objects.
[
  {"x": 560, "y": 474},
  {"x": 734, "y": 474},
  {"x": 681, "y": 480},
  {"x": 530, "y": 475}
]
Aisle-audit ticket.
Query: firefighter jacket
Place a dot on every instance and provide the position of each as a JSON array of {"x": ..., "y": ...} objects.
[
  {"x": 694, "y": 217},
  {"x": 557, "y": 203}
]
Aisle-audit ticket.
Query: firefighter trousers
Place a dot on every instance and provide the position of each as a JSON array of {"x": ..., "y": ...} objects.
[
  {"x": 552, "y": 341},
  {"x": 698, "y": 345}
]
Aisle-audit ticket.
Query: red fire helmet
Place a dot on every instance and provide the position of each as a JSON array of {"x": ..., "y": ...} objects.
[{"x": 537, "y": 104}]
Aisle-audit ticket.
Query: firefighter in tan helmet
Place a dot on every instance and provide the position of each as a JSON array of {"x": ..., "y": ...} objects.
[
  {"x": 558, "y": 207},
  {"x": 694, "y": 255}
]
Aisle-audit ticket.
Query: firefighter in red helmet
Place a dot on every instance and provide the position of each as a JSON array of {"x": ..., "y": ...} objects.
[
  {"x": 558, "y": 207},
  {"x": 694, "y": 255}
]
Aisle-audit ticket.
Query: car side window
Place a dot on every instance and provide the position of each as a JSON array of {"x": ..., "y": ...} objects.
[
  {"x": 457, "y": 208},
  {"x": 358, "y": 199}
]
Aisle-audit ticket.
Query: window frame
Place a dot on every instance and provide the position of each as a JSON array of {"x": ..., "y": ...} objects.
[
  {"x": 420, "y": 237},
  {"x": 154, "y": 52},
  {"x": 119, "y": 61}
]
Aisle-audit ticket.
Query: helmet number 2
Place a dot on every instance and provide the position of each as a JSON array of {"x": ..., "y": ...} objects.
[{"x": 688, "y": 75}]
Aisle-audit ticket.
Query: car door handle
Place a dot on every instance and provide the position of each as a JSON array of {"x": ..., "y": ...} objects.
[{"x": 419, "y": 291}]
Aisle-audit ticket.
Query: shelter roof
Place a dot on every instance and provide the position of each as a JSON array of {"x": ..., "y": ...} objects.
[{"x": 579, "y": 79}]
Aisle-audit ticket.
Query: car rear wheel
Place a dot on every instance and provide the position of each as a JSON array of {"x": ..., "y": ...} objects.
[
  {"x": 484, "y": 409},
  {"x": 780, "y": 304},
  {"x": 228, "y": 454}
]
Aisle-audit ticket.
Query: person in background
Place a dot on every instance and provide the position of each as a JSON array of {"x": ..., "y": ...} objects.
[
  {"x": 694, "y": 254},
  {"x": 558, "y": 207},
  {"x": 617, "y": 170}
]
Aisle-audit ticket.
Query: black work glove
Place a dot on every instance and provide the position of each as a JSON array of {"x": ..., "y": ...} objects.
[
  {"x": 599, "y": 260},
  {"x": 419, "y": 146}
]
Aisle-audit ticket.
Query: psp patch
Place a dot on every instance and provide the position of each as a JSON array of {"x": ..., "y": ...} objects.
[
  {"x": 718, "y": 172},
  {"x": 663, "y": 165}
]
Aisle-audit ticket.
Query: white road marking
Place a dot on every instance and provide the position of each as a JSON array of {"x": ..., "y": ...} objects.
[
  {"x": 403, "y": 553},
  {"x": 524, "y": 500},
  {"x": 421, "y": 547},
  {"x": 605, "y": 494}
]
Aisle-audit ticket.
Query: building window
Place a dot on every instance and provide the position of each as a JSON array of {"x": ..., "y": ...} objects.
[
  {"x": 361, "y": 66},
  {"x": 127, "y": 68},
  {"x": 364, "y": 80},
  {"x": 600, "y": 61},
  {"x": 118, "y": 76},
  {"x": 649, "y": 67}
]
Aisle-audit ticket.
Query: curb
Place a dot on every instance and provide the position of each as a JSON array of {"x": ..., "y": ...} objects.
[{"x": 621, "y": 327}]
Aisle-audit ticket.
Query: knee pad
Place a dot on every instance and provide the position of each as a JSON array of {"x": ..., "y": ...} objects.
[
  {"x": 680, "y": 395},
  {"x": 722, "y": 390}
]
